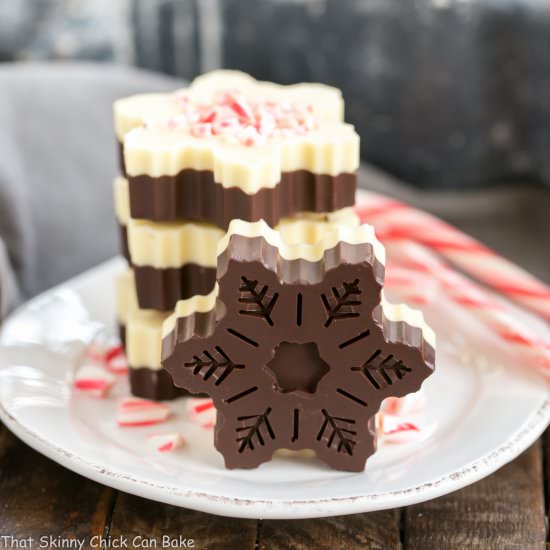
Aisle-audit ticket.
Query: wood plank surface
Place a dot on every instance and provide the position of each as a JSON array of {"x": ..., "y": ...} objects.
[
  {"x": 40, "y": 498},
  {"x": 545, "y": 441},
  {"x": 377, "y": 530},
  {"x": 504, "y": 510},
  {"x": 138, "y": 517}
]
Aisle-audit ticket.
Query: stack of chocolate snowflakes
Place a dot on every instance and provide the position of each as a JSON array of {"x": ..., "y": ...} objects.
[{"x": 250, "y": 278}]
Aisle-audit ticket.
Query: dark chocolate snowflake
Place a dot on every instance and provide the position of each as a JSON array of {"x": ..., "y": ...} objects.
[{"x": 297, "y": 354}]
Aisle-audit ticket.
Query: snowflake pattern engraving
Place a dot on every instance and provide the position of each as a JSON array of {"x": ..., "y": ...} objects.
[
  {"x": 259, "y": 304},
  {"x": 266, "y": 324},
  {"x": 341, "y": 304}
]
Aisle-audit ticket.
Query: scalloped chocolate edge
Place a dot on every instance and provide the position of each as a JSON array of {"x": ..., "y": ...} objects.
[
  {"x": 304, "y": 240},
  {"x": 297, "y": 270},
  {"x": 194, "y": 195},
  {"x": 400, "y": 323},
  {"x": 196, "y": 316}
]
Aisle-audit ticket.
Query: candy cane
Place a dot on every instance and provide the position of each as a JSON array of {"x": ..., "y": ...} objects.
[
  {"x": 133, "y": 411},
  {"x": 396, "y": 429},
  {"x": 93, "y": 379},
  {"x": 494, "y": 313},
  {"x": 202, "y": 411},
  {"x": 412, "y": 286},
  {"x": 237, "y": 119},
  {"x": 164, "y": 443},
  {"x": 113, "y": 356},
  {"x": 396, "y": 221},
  {"x": 118, "y": 364},
  {"x": 412, "y": 403}
]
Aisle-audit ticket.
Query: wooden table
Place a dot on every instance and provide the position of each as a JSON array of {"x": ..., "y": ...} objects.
[{"x": 506, "y": 510}]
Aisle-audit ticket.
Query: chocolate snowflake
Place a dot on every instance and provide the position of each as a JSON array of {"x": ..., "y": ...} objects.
[{"x": 296, "y": 351}]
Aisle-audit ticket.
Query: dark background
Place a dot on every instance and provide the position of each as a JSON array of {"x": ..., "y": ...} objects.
[{"x": 445, "y": 93}]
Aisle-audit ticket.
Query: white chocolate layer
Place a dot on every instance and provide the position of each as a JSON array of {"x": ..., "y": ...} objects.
[
  {"x": 126, "y": 298},
  {"x": 310, "y": 228},
  {"x": 144, "y": 338},
  {"x": 331, "y": 149},
  {"x": 122, "y": 200},
  {"x": 326, "y": 101},
  {"x": 305, "y": 239},
  {"x": 165, "y": 245},
  {"x": 346, "y": 216},
  {"x": 137, "y": 110},
  {"x": 143, "y": 327}
]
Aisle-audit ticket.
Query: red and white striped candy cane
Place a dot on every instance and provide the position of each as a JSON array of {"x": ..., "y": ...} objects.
[
  {"x": 133, "y": 411},
  {"x": 410, "y": 404},
  {"x": 396, "y": 429},
  {"x": 202, "y": 411},
  {"x": 411, "y": 285},
  {"x": 396, "y": 221},
  {"x": 492, "y": 312},
  {"x": 165, "y": 442}
]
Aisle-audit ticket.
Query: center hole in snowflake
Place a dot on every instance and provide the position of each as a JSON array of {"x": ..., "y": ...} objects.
[{"x": 297, "y": 367}]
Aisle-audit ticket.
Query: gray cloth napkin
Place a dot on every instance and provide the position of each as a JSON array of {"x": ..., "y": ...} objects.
[
  {"x": 57, "y": 164},
  {"x": 8, "y": 287}
]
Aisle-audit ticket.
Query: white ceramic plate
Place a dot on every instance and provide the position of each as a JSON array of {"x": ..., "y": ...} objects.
[{"x": 481, "y": 413}]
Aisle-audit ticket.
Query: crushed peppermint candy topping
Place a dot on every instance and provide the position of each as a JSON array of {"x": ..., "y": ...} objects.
[
  {"x": 93, "y": 379},
  {"x": 241, "y": 120},
  {"x": 397, "y": 429},
  {"x": 165, "y": 442},
  {"x": 134, "y": 411},
  {"x": 202, "y": 411}
]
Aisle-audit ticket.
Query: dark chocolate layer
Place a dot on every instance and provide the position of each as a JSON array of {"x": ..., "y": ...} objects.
[
  {"x": 153, "y": 384},
  {"x": 150, "y": 383},
  {"x": 124, "y": 249},
  {"x": 194, "y": 195},
  {"x": 161, "y": 288},
  {"x": 122, "y": 335},
  {"x": 253, "y": 249},
  {"x": 120, "y": 155}
]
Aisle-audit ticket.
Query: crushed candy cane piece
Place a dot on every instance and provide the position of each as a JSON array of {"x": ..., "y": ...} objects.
[
  {"x": 111, "y": 356},
  {"x": 202, "y": 411},
  {"x": 93, "y": 379},
  {"x": 412, "y": 403},
  {"x": 118, "y": 364},
  {"x": 164, "y": 443},
  {"x": 396, "y": 429},
  {"x": 133, "y": 411},
  {"x": 237, "y": 118},
  {"x": 112, "y": 352}
]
